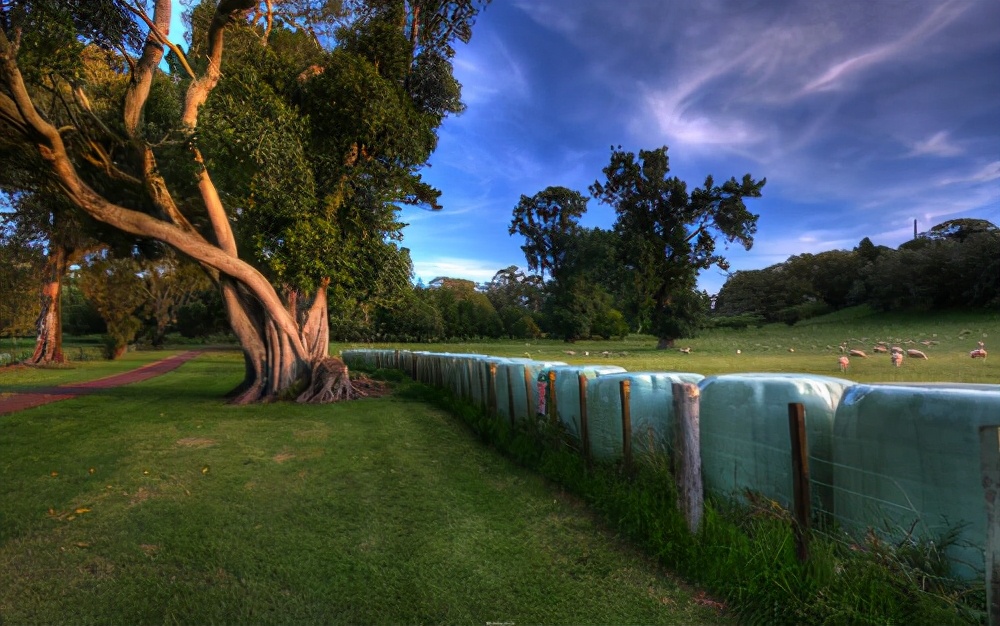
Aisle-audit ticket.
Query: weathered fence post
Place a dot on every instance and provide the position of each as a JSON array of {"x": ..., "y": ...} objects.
[
  {"x": 687, "y": 453},
  {"x": 584, "y": 433},
  {"x": 800, "y": 478},
  {"x": 492, "y": 384},
  {"x": 551, "y": 407},
  {"x": 467, "y": 391},
  {"x": 625, "y": 391},
  {"x": 510, "y": 399},
  {"x": 989, "y": 461},
  {"x": 527, "y": 391}
]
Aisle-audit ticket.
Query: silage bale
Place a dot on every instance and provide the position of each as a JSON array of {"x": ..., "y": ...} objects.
[
  {"x": 908, "y": 457},
  {"x": 651, "y": 409},
  {"x": 745, "y": 437}
]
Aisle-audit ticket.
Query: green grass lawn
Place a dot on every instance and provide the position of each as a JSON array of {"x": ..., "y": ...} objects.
[{"x": 158, "y": 503}]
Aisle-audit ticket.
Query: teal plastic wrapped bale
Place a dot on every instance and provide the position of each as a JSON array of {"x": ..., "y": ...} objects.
[
  {"x": 354, "y": 357},
  {"x": 746, "y": 440},
  {"x": 466, "y": 379},
  {"x": 511, "y": 383},
  {"x": 499, "y": 381},
  {"x": 908, "y": 457},
  {"x": 651, "y": 410},
  {"x": 567, "y": 391}
]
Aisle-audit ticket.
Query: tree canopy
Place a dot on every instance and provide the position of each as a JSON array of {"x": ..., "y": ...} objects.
[
  {"x": 668, "y": 234},
  {"x": 280, "y": 176}
]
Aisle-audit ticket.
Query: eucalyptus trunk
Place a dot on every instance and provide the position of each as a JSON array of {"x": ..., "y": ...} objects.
[{"x": 48, "y": 341}]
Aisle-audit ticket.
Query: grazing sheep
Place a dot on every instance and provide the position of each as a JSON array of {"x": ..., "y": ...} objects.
[
  {"x": 897, "y": 358},
  {"x": 896, "y": 349},
  {"x": 860, "y": 353},
  {"x": 915, "y": 354},
  {"x": 844, "y": 363},
  {"x": 843, "y": 347},
  {"x": 686, "y": 350},
  {"x": 791, "y": 349},
  {"x": 880, "y": 348},
  {"x": 978, "y": 353},
  {"x": 570, "y": 352}
]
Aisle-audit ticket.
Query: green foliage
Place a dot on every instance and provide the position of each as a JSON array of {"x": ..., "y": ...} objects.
[
  {"x": 549, "y": 222},
  {"x": 955, "y": 265},
  {"x": 22, "y": 267},
  {"x": 113, "y": 287},
  {"x": 668, "y": 234}
]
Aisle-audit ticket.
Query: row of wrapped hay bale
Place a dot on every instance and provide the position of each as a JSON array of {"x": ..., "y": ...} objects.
[{"x": 903, "y": 460}]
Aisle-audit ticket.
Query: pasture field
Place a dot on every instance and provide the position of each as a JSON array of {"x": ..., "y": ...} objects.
[
  {"x": 158, "y": 503},
  {"x": 815, "y": 343}
]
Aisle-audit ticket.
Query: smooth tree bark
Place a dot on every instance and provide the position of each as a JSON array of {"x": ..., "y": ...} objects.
[{"x": 48, "y": 342}]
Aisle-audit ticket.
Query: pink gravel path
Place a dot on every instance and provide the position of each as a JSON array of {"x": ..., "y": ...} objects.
[{"x": 21, "y": 401}]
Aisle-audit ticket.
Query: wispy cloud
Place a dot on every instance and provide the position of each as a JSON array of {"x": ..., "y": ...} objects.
[
  {"x": 985, "y": 174},
  {"x": 478, "y": 270},
  {"x": 938, "y": 144},
  {"x": 835, "y": 76},
  {"x": 492, "y": 75}
]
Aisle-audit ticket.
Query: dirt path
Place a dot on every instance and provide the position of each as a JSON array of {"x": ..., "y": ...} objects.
[{"x": 46, "y": 395}]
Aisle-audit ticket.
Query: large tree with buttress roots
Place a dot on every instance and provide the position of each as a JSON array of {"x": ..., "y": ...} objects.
[{"x": 278, "y": 162}]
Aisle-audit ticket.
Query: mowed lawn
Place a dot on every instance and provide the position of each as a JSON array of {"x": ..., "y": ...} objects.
[{"x": 158, "y": 503}]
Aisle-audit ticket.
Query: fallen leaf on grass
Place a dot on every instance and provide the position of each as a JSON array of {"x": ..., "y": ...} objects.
[{"x": 704, "y": 600}]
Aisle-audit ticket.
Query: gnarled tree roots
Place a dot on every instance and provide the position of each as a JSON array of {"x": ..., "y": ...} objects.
[{"x": 330, "y": 383}]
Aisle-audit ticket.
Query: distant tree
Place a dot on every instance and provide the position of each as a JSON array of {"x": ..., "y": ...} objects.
[
  {"x": 549, "y": 222},
  {"x": 465, "y": 312},
  {"x": 169, "y": 284},
  {"x": 516, "y": 296},
  {"x": 960, "y": 229},
  {"x": 22, "y": 266},
  {"x": 115, "y": 289},
  {"x": 668, "y": 235}
]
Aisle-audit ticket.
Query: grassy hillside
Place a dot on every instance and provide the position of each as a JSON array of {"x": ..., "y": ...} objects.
[{"x": 808, "y": 347}]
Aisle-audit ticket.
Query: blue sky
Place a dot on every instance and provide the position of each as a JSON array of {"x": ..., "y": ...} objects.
[{"x": 863, "y": 115}]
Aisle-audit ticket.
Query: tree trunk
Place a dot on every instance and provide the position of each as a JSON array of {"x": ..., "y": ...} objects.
[
  {"x": 48, "y": 342},
  {"x": 664, "y": 342}
]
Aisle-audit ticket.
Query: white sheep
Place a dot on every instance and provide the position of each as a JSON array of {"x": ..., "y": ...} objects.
[
  {"x": 844, "y": 363},
  {"x": 915, "y": 354}
]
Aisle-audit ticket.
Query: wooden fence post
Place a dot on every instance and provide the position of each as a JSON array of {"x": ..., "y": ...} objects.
[
  {"x": 989, "y": 461},
  {"x": 625, "y": 391},
  {"x": 467, "y": 392},
  {"x": 584, "y": 433},
  {"x": 687, "y": 452},
  {"x": 551, "y": 406},
  {"x": 527, "y": 391},
  {"x": 492, "y": 385},
  {"x": 510, "y": 400},
  {"x": 802, "y": 502}
]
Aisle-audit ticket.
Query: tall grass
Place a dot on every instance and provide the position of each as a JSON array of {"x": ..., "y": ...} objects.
[{"x": 744, "y": 552}]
